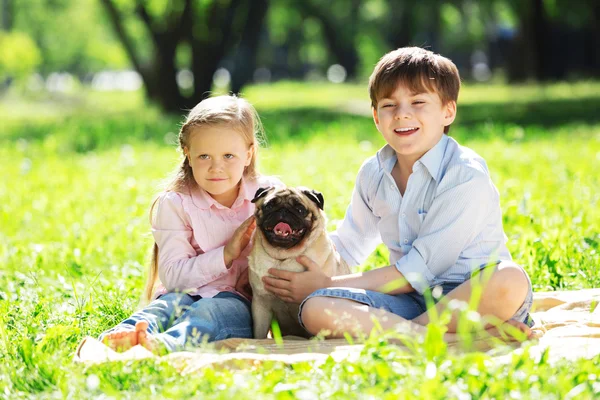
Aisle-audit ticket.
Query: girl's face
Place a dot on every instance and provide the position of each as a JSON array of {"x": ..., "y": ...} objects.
[{"x": 218, "y": 156}]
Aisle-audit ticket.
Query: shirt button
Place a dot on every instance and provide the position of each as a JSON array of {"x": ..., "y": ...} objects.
[
  {"x": 232, "y": 214},
  {"x": 403, "y": 215},
  {"x": 405, "y": 240},
  {"x": 391, "y": 186}
]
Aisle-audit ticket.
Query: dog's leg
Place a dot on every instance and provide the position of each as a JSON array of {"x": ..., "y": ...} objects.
[{"x": 261, "y": 318}]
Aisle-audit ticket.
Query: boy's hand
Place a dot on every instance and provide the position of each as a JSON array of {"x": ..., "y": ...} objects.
[
  {"x": 293, "y": 287},
  {"x": 243, "y": 285},
  {"x": 239, "y": 241}
]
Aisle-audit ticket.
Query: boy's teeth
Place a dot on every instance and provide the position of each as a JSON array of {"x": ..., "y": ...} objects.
[{"x": 404, "y": 129}]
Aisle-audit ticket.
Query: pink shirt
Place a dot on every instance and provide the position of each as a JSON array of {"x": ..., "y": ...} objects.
[{"x": 191, "y": 231}]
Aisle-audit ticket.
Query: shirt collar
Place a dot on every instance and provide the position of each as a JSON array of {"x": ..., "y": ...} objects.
[
  {"x": 432, "y": 160},
  {"x": 386, "y": 157},
  {"x": 203, "y": 200}
]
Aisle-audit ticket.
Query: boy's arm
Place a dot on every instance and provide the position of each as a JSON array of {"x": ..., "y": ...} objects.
[
  {"x": 294, "y": 287},
  {"x": 357, "y": 236},
  {"x": 384, "y": 280},
  {"x": 179, "y": 265},
  {"x": 456, "y": 216}
]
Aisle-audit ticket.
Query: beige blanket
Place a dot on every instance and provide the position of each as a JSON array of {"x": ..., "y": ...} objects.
[{"x": 568, "y": 323}]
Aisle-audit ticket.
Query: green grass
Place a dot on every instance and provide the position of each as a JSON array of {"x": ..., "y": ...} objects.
[{"x": 78, "y": 176}]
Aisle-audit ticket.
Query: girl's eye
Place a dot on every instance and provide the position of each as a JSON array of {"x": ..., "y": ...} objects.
[
  {"x": 228, "y": 156},
  {"x": 203, "y": 156}
]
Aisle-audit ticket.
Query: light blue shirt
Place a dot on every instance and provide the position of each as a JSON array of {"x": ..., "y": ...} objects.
[{"x": 447, "y": 224}]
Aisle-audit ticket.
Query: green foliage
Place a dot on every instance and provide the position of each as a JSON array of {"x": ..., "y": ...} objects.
[
  {"x": 19, "y": 56},
  {"x": 70, "y": 35},
  {"x": 80, "y": 175}
]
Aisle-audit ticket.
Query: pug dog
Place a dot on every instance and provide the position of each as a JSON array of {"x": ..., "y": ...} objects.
[{"x": 290, "y": 222}]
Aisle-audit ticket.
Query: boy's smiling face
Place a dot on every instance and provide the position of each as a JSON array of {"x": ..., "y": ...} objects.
[{"x": 412, "y": 123}]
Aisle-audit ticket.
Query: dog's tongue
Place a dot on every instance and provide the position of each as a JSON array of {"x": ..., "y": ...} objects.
[{"x": 282, "y": 229}]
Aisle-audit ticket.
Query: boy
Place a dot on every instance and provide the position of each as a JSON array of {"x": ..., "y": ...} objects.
[{"x": 433, "y": 204}]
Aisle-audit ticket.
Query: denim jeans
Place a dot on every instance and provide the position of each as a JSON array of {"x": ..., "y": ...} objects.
[
  {"x": 179, "y": 320},
  {"x": 411, "y": 305},
  {"x": 407, "y": 305}
]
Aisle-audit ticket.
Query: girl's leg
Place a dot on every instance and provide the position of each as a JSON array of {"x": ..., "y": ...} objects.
[
  {"x": 505, "y": 295},
  {"x": 158, "y": 315},
  {"x": 223, "y": 316}
]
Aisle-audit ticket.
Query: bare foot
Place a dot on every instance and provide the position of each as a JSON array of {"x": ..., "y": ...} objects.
[
  {"x": 504, "y": 329},
  {"x": 121, "y": 340},
  {"x": 144, "y": 338}
]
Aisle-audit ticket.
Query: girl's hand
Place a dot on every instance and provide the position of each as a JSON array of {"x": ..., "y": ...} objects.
[
  {"x": 239, "y": 241},
  {"x": 243, "y": 285},
  {"x": 293, "y": 287}
]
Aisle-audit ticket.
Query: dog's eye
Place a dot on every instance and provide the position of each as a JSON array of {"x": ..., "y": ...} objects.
[
  {"x": 268, "y": 206},
  {"x": 301, "y": 210}
]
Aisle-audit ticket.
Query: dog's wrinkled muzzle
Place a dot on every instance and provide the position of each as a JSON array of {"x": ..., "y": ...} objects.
[{"x": 283, "y": 229}]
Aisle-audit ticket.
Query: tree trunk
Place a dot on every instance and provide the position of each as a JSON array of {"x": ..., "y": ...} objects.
[
  {"x": 435, "y": 26},
  {"x": 163, "y": 87},
  {"x": 245, "y": 57},
  {"x": 521, "y": 58},
  {"x": 540, "y": 37},
  {"x": 340, "y": 39},
  {"x": 210, "y": 35},
  {"x": 596, "y": 38},
  {"x": 7, "y": 15},
  {"x": 400, "y": 25}
]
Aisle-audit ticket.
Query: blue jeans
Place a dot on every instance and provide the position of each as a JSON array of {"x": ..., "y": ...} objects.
[
  {"x": 179, "y": 320},
  {"x": 408, "y": 305}
]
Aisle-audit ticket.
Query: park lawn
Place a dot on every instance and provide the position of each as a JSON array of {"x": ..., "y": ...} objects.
[{"x": 80, "y": 174}]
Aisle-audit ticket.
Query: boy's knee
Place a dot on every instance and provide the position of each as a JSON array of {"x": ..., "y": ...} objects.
[
  {"x": 510, "y": 280},
  {"x": 311, "y": 314}
]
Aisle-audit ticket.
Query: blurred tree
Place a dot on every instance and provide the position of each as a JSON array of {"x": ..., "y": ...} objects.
[
  {"x": 595, "y": 23},
  {"x": 19, "y": 56},
  {"x": 280, "y": 54},
  {"x": 554, "y": 38},
  {"x": 7, "y": 12},
  {"x": 420, "y": 24},
  {"x": 339, "y": 21},
  {"x": 244, "y": 60},
  {"x": 400, "y": 24},
  {"x": 210, "y": 28},
  {"x": 70, "y": 35}
]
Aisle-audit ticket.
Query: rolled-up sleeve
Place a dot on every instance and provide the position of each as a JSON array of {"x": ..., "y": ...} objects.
[
  {"x": 180, "y": 267},
  {"x": 357, "y": 236},
  {"x": 456, "y": 216}
]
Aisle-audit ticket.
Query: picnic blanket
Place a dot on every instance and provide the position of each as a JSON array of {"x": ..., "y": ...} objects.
[{"x": 567, "y": 323}]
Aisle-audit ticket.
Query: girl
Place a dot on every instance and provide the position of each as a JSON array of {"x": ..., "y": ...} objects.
[{"x": 201, "y": 228}]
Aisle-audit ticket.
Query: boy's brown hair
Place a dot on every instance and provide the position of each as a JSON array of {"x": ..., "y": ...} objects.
[{"x": 417, "y": 69}]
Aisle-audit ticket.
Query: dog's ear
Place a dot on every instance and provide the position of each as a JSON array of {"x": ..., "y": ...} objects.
[
  {"x": 315, "y": 196},
  {"x": 261, "y": 192}
]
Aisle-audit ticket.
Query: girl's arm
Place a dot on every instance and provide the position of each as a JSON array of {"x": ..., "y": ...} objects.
[{"x": 180, "y": 267}]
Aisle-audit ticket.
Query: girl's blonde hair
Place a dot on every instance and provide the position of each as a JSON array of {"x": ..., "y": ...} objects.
[{"x": 230, "y": 111}]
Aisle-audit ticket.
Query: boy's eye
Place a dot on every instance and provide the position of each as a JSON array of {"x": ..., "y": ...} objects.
[
  {"x": 228, "y": 156},
  {"x": 388, "y": 105},
  {"x": 418, "y": 102}
]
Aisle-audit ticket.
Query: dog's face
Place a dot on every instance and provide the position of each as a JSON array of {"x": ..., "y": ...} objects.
[{"x": 287, "y": 215}]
